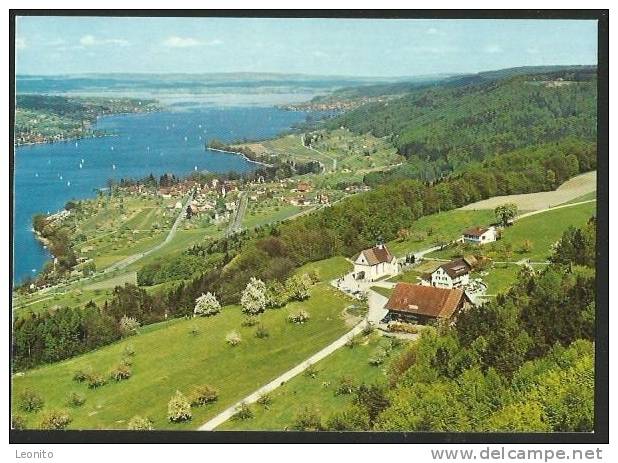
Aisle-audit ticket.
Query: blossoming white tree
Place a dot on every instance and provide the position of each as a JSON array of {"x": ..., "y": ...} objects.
[
  {"x": 207, "y": 304},
  {"x": 253, "y": 298}
]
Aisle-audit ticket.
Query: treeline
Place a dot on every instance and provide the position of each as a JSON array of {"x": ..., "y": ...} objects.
[
  {"x": 521, "y": 363},
  {"x": 444, "y": 128}
]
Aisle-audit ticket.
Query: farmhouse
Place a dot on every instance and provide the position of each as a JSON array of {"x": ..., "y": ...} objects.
[
  {"x": 374, "y": 263},
  {"x": 480, "y": 235},
  {"x": 453, "y": 274},
  {"x": 425, "y": 304}
]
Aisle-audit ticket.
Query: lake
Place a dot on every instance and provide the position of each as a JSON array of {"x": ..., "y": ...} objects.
[{"x": 49, "y": 175}]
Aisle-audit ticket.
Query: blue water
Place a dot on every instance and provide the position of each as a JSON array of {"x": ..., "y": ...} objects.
[{"x": 48, "y": 175}]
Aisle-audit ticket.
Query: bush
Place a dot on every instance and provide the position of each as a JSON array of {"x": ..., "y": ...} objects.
[
  {"x": 353, "y": 341},
  {"x": 202, "y": 395},
  {"x": 128, "y": 351},
  {"x": 178, "y": 408},
  {"x": 353, "y": 418},
  {"x": 55, "y": 419},
  {"x": 243, "y": 412},
  {"x": 207, "y": 305},
  {"x": 265, "y": 400},
  {"x": 250, "y": 320},
  {"x": 308, "y": 420},
  {"x": 346, "y": 386},
  {"x": 378, "y": 357},
  {"x": 261, "y": 332},
  {"x": 314, "y": 276},
  {"x": 300, "y": 317},
  {"x": 30, "y": 401},
  {"x": 311, "y": 371},
  {"x": 121, "y": 372},
  {"x": 96, "y": 380},
  {"x": 233, "y": 338},
  {"x": 368, "y": 330},
  {"x": 137, "y": 423},
  {"x": 18, "y": 422},
  {"x": 76, "y": 399},
  {"x": 82, "y": 375},
  {"x": 128, "y": 326}
]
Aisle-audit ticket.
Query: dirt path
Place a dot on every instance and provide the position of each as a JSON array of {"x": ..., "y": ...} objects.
[{"x": 569, "y": 190}]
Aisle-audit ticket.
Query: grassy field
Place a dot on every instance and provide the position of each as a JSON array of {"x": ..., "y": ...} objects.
[
  {"x": 73, "y": 298},
  {"x": 316, "y": 393},
  {"x": 586, "y": 197},
  {"x": 410, "y": 276},
  {"x": 171, "y": 358},
  {"x": 541, "y": 230},
  {"x": 266, "y": 214},
  {"x": 328, "y": 269},
  {"x": 426, "y": 231},
  {"x": 386, "y": 292},
  {"x": 499, "y": 278}
]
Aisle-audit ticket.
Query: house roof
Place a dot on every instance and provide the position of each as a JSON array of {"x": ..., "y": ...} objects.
[
  {"x": 456, "y": 268},
  {"x": 376, "y": 255},
  {"x": 428, "y": 301},
  {"x": 471, "y": 260},
  {"x": 475, "y": 231}
]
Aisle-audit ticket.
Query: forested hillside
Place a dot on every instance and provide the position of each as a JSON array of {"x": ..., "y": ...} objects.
[{"x": 443, "y": 128}]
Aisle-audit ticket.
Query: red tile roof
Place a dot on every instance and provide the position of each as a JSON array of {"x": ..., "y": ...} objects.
[{"x": 428, "y": 301}]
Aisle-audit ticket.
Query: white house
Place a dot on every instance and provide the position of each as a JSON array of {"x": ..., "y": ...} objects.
[
  {"x": 374, "y": 263},
  {"x": 480, "y": 235},
  {"x": 454, "y": 274}
]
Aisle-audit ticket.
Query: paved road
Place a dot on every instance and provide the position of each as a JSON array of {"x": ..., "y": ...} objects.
[
  {"x": 236, "y": 222},
  {"x": 170, "y": 236},
  {"x": 285, "y": 377}
]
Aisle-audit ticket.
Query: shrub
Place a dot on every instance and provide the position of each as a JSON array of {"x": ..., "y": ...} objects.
[
  {"x": 233, "y": 338},
  {"x": 138, "y": 423},
  {"x": 308, "y": 420},
  {"x": 300, "y": 317},
  {"x": 96, "y": 380},
  {"x": 276, "y": 295},
  {"x": 311, "y": 371},
  {"x": 82, "y": 375},
  {"x": 353, "y": 342},
  {"x": 202, "y": 395},
  {"x": 30, "y": 401},
  {"x": 128, "y": 326},
  {"x": 261, "y": 332},
  {"x": 353, "y": 418},
  {"x": 297, "y": 287},
  {"x": 346, "y": 386},
  {"x": 75, "y": 399},
  {"x": 368, "y": 330},
  {"x": 121, "y": 372},
  {"x": 243, "y": 412},
  {"x": 378, "y": 357},
  {"x": 314, "y": 276},
  {"x": 178, "y": 408},
  {"x": 253, "y": 299},
  {"x": 18, "y": 422},
  {"x": 55, "y": 419},
  {"x": 265, "y": 400},
  {"x": 128, "y": 351},
  {"x": 207, "y": 305},
  {"x": 250, "y": 320}
]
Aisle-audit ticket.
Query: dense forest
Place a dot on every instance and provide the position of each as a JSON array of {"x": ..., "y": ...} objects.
[{"x": 489, "y": 117}]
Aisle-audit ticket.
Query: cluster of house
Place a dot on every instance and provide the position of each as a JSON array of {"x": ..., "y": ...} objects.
[{"x": 439, "y": 295}]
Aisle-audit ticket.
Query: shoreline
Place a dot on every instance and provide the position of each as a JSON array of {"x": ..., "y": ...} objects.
[{"x": 243, "y": 155}]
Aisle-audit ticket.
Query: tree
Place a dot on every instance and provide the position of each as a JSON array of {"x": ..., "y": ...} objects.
[
  {"x": 253, "y": 299},
  {"x": 138, "y": 423},
  {"x": 505, "y": 213},
  {"x": 178, "y": 408},
  {"x": 207, "y": 304},
  {"x": 297, "y": 287},
  {"x": 128, "y": 326}
]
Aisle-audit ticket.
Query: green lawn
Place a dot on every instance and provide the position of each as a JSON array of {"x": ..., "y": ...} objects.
[
  {"x": 316, "y": 393},
  {"x": 586, "y": 197},
  {"x": 328, "y": 269},
  {"x": 500, "y": 278},
  {"x": 171, "y": 358},
  {"x": 386, "y": 292},
  {"x": 255, "y": 218},
  {"x": 445, "y": 225}
]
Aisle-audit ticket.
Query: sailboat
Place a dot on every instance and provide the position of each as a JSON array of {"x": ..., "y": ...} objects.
[{"x": 113, "y": 166}]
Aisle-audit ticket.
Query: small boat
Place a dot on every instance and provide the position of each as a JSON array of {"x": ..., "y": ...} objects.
[
  {"x": 82, "y": 161},
  {"x": 114, "y": 166},
  {"x": 36, "y": 174},
  {"x": 80, "y": 165},
  {"x": 76, "y": 145},
  {"x": 148, "y": 148},
  {"x": 69, "y": 183},
  {"x": 112, "y": 148},
  {"x": 61, "y": 177},
  {"x": 195, "y": 168},
  {"x": 185, "y": 138}
]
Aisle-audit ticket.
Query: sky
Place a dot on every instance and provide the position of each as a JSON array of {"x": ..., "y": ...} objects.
[{"x": 349, "y": 47}]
